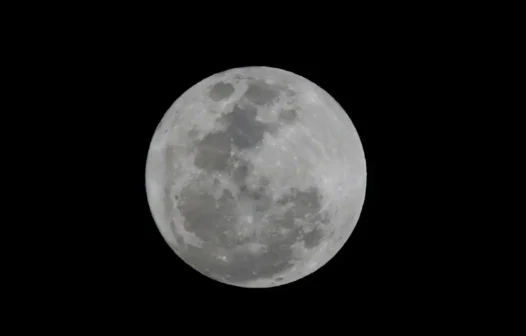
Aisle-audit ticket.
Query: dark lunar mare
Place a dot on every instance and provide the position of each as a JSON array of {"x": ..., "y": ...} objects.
[
  {"x": 215, "y": 226},
  {"x": 244, "y": 130},
  {"x": 220, "y": 91},
  {"x": 288, "y": 115},
  {"x": 260, "y": 93},
  {"x": 213, "y": 152}
]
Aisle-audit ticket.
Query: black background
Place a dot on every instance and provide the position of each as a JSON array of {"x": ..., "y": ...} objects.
[
  {"x": 380, "y": 258},
  {"x": 101, "y": 82},
  {"x": 120, "y": 258}
]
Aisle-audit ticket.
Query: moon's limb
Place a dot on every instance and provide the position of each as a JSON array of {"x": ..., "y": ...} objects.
[{"x": 256, "y": 177}]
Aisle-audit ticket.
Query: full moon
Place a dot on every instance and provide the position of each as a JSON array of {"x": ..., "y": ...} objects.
[{"x": 255, "y": 177}]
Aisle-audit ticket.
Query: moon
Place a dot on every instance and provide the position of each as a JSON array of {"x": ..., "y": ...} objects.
[{"x": 255, "y": 177}]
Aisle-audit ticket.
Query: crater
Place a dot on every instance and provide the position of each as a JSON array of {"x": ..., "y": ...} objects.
[
  {"x": 288, "y": 116},
  {"x": 313, "y": 238},
  {"x": 220, "y": 91}
]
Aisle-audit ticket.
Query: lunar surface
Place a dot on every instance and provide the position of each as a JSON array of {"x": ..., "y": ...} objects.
[{"x": 255, "y": 177}]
